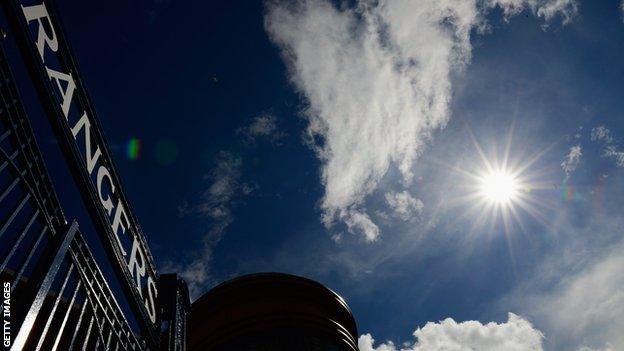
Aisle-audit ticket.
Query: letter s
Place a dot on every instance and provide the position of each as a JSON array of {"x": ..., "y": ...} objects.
[{"x": 150, "y": 302}]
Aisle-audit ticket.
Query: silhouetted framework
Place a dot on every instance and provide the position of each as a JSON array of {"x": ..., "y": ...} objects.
[
  {"x": 60, "y": 300},
  {"x": 175, "y": 304}
]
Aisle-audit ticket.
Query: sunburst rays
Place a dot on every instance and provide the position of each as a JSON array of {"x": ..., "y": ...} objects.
[{"x": 500, "y": 191}]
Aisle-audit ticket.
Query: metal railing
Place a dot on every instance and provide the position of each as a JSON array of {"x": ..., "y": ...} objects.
[
  {"x": 60, "y": 298},
  {"x": 73, "y": 308}
]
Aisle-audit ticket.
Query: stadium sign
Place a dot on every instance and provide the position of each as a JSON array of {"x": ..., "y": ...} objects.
[{"x": 67, "y": 105}]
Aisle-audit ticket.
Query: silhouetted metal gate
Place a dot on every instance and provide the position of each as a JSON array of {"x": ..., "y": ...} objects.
[
  {"x": 55, "y": 296},
  {"x": 59, "y": 297}
]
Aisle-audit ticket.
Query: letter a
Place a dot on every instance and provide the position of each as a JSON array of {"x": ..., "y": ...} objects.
[{"x": 68, "y": 93}]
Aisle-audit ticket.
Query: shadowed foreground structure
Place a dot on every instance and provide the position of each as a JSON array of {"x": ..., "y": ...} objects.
[{"x": 271, "y": 311}]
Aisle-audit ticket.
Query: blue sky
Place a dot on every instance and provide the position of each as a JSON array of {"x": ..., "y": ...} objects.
[{"x": 340, "y": 141}]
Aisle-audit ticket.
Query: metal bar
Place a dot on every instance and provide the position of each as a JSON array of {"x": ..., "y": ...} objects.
[
  {"x": 5, "y": 135},
  {"x": 86, "y": 342},
  {"x": 23, "y": 132},
  {"x": 97, "y": 275},
  {"x": 14, "y": 214},
  {"x": 89, "y": 284},
  {"x": 9, "y": 189},
  {"x": 33, "y": 312},
  {"x": 77, "y": 327},
  {"x": 6, "y": 163},
  {"x": 43, "y": 335},
  {"x": 95, "y": 304},
  {"x": 19, "y": 240},
  {"x": 28, "y": 258},
  {"x": 110, "y": 334},
  {"x": 67, "y": 313},
  {"x": 31, "y": 190}
]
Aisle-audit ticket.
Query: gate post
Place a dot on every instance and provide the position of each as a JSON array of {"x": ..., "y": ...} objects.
[{"x": 175, "y": 304}]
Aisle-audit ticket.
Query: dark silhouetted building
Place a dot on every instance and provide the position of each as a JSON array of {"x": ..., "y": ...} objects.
[{"x": 271, "y": 311}]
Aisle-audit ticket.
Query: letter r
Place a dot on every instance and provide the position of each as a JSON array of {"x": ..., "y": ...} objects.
[{"x": 39, "y": 12}]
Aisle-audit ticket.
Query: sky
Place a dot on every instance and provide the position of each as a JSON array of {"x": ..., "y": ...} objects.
[{"x": 452, "y": 168}]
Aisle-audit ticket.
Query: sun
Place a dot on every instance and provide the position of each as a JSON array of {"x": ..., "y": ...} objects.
[{"x": 499, "y": 187}]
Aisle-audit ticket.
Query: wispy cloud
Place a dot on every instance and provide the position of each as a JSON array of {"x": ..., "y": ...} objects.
[
  {"x": 215, "y": 205},
  {"x": 262, "y": 126},
  {"x": 588, "y": 302},
  {"x": 517, "y": 334},
  {"x": 360, "y": 223},
  {"x": 601, "y": 133},
  {"x": 571, "y": 160},
  {"x": 404, "y": 205},
  {"x": 376, "y": 78},
  {"x": 576, "y": 292},
  {"x": 602, "y": 137},
  {"x": 611, "y": 148},
  {"x": 546, "y": 9}
]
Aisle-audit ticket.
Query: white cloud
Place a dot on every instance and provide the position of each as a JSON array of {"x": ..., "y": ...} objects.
[
  {"x": 546, "y": 9},
  {"x": 360, "y": 223},
  {"x": 571, "y": 161},
  {"x": 262, "y": 126},
  {"x": 517, "y": 334},
  {"x": 404, "y": 205},
  {"x": 576, "y": 292},
  {"x": 588, "y": 307},
  {"x": 616, "y": 154},
  {"x": 610, "y": 148},
  {"x": 376, "y": 78},
  {"x": 601, "y": 133},
  {"x": 215, "y": 205}
]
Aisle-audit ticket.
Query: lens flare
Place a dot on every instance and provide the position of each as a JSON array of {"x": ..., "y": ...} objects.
[{"x": 133, "y": 149}]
